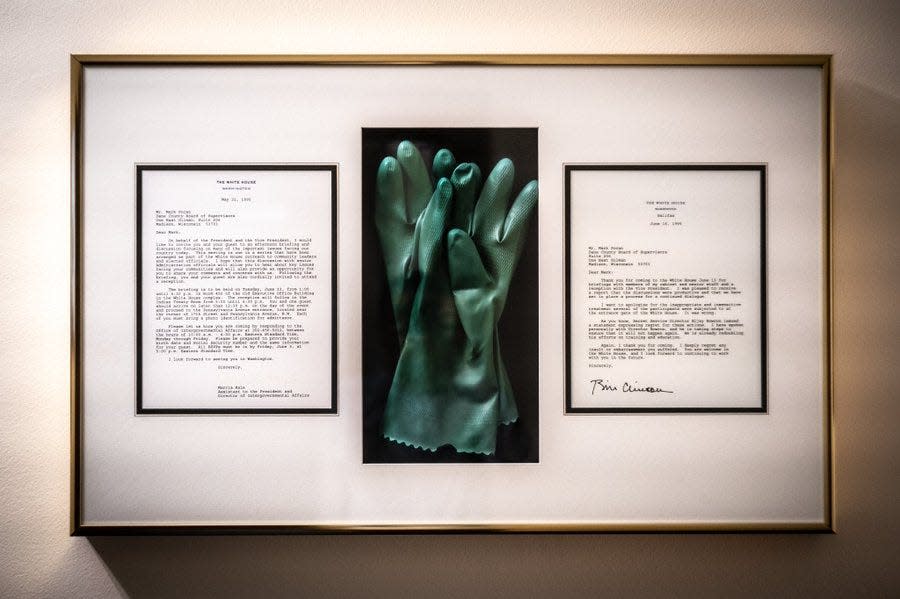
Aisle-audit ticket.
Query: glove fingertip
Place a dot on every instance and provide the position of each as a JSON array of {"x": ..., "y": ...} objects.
[
  {"x": 443, "y": 163},
  {"x": 443, "y": 193},
  {"x": 459, "y": 245},
  {"x": 388, "y": 171},
  {"x": 466, "y": 268},
  {"x": 389, "y": 190},
  {"x": 522, "y": 208},
  {"x": 388, "y": 165},
  {"x": 466, "y": 175},
  {"x": 528, "y": 197},
  {"x": 504, "y": 168},
  {"x": 406, "y": 149},
  {"x": 455, "y": 237}
]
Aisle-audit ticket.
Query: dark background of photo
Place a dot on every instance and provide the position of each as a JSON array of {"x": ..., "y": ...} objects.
[{"x": 518, "y": 326}]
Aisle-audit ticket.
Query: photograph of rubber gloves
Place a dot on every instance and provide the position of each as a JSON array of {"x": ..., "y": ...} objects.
[{"x": 451, "y": 240}]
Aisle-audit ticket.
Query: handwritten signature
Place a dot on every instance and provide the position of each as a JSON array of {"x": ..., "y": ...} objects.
[{"x": 604, "y": 385}]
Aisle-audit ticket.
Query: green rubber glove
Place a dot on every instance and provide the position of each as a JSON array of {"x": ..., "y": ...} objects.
[
  {"x": 447, "y": 385},
  {"x": 403, "y": 188},
  {"x": 482, "y": 261}
]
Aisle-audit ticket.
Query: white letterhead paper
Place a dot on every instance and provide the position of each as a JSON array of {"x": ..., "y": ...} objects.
[
  {"x": 236, "y": 288},
  {"x": 666, "y": 275}
]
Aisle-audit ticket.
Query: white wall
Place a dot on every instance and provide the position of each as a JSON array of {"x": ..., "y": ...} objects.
[{"x": 37, "y": 558}]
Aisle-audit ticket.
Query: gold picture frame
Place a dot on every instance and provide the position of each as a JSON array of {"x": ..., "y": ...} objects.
[{"x": 84, "y": 490}]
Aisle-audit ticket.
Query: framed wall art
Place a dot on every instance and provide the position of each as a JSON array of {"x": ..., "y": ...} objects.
[{"x": 450, "y": 293}]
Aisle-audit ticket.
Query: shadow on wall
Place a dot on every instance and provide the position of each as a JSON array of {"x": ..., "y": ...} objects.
[
  {"x": 456, "y": 565},
  {"x": 866, "y": 188}
]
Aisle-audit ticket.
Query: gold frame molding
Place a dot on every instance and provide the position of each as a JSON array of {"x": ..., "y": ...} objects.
[{"x": 79, "y": 62}]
